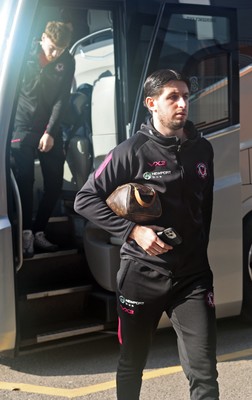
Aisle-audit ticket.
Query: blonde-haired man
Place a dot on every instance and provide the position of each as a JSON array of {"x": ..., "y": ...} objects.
[{"x": 42, "y": 100}]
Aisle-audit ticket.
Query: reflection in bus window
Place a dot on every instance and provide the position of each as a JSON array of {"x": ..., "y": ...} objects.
[
  {"x": 209, "y": 98},
  {"x": 195, "y": 45}
]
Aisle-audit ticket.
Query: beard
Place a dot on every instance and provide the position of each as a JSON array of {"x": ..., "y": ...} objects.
[
  {"x": 173, "y": 125},
  {"x": 176, "y": 125}
]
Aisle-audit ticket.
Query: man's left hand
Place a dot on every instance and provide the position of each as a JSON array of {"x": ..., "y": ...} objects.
[{"x": 46, "y": 143}]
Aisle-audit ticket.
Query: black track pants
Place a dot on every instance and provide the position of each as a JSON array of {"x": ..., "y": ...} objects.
[
  {"x": 142, "y": 296},
  {"x": 24, "y": 151}
]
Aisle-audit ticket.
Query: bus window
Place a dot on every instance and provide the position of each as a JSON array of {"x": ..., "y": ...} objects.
[
  {"x": 139, "y": 39},
  {"x": 199, "y": 46},
  {"x": 209, "y": 92}
]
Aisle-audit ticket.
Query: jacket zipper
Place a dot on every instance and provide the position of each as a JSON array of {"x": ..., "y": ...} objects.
[{"x": 179, "y": 161}]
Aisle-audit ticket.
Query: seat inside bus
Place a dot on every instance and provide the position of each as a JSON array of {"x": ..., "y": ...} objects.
[
  {"x": 91, "y": 129},
  {"x": 77, "y": 134},
  {"x": 103, "y": 255}
]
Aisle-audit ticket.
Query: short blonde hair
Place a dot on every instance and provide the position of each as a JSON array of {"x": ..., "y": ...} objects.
[{"x": 59, "y": 33}]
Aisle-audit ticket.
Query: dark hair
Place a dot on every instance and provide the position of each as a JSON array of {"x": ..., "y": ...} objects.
[
  {"x": 155, "y": 82},
  {"x": 59, "y": 33}
]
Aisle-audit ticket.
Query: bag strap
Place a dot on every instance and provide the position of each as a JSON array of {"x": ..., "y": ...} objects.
[{"x": 139, "y": 199}]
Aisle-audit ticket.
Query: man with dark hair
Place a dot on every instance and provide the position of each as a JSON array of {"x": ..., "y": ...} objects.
[
  {"x": 42, "y": 100},
  {"x": 168, "y": 154}
]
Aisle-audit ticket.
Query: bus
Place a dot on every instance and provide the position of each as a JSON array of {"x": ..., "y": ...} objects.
[{"x": 69, "y": 295}]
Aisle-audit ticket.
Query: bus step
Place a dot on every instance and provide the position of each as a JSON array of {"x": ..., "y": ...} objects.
[
  {"x": 69, "y": 333},
  {"x": 40, "y": 256},
  {"x": 60, "y": 335},
  {"x": 58, "y": 292}
]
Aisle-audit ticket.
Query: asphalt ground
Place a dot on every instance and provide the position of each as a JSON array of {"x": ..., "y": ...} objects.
[{"x": 87, "y": 370}]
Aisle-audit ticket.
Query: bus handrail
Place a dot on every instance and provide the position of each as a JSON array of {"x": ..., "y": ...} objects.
[
  {"x": 88, "y": 37},
  {"x": 17, "y": 199}
]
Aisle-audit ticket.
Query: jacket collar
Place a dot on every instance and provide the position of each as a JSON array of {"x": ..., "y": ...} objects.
[{"x": 148, "y": 129}]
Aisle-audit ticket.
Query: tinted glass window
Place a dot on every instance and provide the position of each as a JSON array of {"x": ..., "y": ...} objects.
[{"x": 197, "y": 45}]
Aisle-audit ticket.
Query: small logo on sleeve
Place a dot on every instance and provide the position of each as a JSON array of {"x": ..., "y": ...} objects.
[
  {"x": 202, "y": 170},
  {"x": 210, "y": 299}
]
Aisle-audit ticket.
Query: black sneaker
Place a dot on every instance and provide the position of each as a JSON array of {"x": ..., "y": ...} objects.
[
  {"x": 28, "y": 240},
  {"x": 42, "y": 244}
]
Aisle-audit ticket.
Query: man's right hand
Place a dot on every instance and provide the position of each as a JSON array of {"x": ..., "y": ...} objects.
[
  {"x": 46, "y": 143},
  {"x": 145, "y": 237}
]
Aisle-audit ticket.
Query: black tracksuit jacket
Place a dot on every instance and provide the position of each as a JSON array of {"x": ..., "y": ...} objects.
[
  {"x": 44, "y": 93},
  {"x": 183, "y": 176}
]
